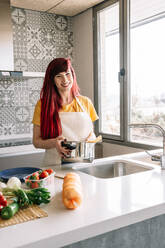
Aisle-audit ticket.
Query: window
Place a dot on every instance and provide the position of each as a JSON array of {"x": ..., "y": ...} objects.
[
  {"x": 109, "y": 60},
  {"x": 130, "y": 38}
]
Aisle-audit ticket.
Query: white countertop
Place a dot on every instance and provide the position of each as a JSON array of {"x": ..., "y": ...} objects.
[
  {"x": 108, "y": 204},
  {"x": 17, "y": 150}
]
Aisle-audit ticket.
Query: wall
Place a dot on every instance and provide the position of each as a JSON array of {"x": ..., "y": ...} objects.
[
  {"x": 83, "y": 52},
  {"x": 114, "y": 150},
  {"x": 38, "y": 37}
]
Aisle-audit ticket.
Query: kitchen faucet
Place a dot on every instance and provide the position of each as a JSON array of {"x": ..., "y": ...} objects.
[{"x": 153, "y": 157}]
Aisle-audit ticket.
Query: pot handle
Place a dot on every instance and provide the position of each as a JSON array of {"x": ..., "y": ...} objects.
[{"x": 97, "y": 140}]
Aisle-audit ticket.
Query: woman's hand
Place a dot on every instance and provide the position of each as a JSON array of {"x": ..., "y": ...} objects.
[
  {"x": 38, "y": 142},
  {"x": 63, "y": 151}
]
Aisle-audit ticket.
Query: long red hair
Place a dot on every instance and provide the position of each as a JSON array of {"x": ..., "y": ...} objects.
[{"x": 51, "y": 102}]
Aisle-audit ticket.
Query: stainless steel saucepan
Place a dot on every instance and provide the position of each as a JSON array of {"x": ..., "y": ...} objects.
[{"x": 81, "y": 151}]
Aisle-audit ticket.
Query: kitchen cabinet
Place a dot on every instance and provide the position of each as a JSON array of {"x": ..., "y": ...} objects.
[{"x": 149, "y": 234}]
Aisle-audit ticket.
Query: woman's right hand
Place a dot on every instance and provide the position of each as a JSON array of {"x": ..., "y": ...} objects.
[{"x": 63, "y": 151}]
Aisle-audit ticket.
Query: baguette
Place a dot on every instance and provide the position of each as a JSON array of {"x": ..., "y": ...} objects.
[{"x": 72, "y": 191}]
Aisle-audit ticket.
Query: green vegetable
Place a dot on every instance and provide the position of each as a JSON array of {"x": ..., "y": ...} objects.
[
  {"x": 10, "y": 210},
  {"x": 38, "y": 196},
  {"x": 28, "y": 197},
  {"x": 23, "y": 200}
]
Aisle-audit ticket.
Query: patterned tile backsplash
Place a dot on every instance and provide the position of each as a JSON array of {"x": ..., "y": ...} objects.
[
  {"x": 37, "y": 38},
  {"x": 17, "y": 100}
]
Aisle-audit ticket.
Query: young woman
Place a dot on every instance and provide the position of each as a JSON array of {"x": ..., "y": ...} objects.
[{"x": 61, "y": 113}]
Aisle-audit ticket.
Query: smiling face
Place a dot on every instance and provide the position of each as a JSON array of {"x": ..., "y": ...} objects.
[{"x": 64, "y": 81}]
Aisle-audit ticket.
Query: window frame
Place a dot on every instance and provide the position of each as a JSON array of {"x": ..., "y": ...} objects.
[{"x": 124, "y": 25}]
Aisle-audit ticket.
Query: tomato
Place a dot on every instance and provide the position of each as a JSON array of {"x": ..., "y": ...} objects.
[
  {"x": 50, "y": 171},
  {"x": 35, "y": 174},
  {"x": 34, "y": 185},
  {"x": 3, "y": 201},
  {"x": 39, "y": 172},
  {"x": 28, "y": 182},
  {"x": 44, "y": 174},
  {"x": 34, "y": 177},
  {"x": 2, "y": 198}
]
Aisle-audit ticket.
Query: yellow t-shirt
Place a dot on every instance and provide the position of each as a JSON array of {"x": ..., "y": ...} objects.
[{"x": 72, "y": 107}]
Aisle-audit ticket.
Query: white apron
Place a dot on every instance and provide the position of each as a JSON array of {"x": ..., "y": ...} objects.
[{"x": 76, "y": 126}]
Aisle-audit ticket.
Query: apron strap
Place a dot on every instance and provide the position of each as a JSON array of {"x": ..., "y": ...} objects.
[{"x": 80, "y": 104}]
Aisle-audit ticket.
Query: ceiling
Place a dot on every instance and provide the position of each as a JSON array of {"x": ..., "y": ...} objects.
[{"x": 60, "y": 7}]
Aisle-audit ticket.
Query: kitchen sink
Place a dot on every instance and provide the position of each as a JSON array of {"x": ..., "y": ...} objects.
[{"x": 114, "y": 169}]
